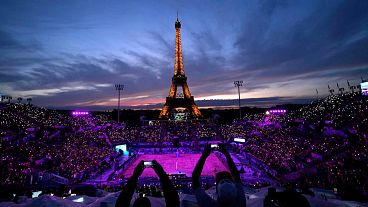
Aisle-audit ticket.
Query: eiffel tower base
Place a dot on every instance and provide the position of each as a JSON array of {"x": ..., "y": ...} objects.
[{"x": 187, "y": 103}]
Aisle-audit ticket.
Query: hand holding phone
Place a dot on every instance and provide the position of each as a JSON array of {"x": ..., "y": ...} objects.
[{"x": 158, "y": 168}]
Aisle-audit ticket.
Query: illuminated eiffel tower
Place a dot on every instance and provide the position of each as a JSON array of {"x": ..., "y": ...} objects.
[{"x": 179, "y": 98}]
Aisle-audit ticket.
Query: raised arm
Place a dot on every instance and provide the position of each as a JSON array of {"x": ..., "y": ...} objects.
[
  {"x": 234, "y": 171},
  {"x": 199, "y": 167},
  {"x": 127, "y": 193},
  {"x": 170, "y": 193}
]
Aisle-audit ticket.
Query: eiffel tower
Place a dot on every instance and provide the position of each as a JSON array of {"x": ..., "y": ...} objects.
[{"x": 176, "y": 99}]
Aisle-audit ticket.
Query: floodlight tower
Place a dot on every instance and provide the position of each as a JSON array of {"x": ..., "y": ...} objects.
[
  {"x": 330, "y": 90},
  {"x": 317, "y": 93},
  {"x": 119, "y": 87},
  {"x": 238, "y": 84}
]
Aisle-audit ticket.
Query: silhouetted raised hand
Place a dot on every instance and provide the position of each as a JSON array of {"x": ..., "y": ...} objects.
[
  {"x": 157, "y": 167},
  {"x": 139, "y": 169},
  {"x": 207, "y": 150}
]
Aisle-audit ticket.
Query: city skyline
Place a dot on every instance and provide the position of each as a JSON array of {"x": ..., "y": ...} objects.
[{"x": 71, "y": 54}]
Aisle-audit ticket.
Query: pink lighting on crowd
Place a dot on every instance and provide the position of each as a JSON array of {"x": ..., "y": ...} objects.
[{"x": 80, "y": 113}]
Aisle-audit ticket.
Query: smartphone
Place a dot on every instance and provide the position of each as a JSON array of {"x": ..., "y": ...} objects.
[
  {"x": 35, "y": 194},
  {"x": 148, "y": 163},
  {"x": 214, "y": 146}
]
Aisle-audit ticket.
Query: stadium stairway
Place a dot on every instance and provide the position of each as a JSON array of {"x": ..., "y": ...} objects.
[{"x": 106, "y": 174}]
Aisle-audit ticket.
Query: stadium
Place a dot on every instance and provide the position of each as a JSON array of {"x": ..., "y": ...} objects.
[
  {"x": 180, "y": 151},
  {"x": 319, "y": 149}
]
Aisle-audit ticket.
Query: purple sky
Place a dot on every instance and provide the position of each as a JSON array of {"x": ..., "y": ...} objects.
[{"x": 71, "y": 53}]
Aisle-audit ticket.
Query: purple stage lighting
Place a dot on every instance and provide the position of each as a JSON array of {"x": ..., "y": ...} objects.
[
  {"x": 276, "y": 111},
  {"x": 80, "y": 113}
]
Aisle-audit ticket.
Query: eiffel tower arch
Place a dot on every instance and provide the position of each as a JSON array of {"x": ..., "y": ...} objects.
[{"x": 179, "y": 95}]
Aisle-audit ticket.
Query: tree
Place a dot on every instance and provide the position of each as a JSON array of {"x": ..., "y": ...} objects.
[{"x": 19, "y": 99}]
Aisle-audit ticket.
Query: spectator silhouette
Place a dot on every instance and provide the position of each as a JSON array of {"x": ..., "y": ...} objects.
[
  {"x": 142, "y": 201},
  {"x": 228, "y": 186},
  {"x": 170, "y": 193}
]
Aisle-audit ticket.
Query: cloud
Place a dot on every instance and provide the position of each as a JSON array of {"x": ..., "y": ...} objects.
[
  {"x": 61, "y": 81},
  {"x": 9, "y": 44},
  {"x": 308, "y": 42},
  {"x": 258, "y": 102},
  {"x": 278, "y": 48}
]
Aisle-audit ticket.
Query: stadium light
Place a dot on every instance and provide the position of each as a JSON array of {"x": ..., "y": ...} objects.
[
  {"x": 317, "y": 93},
  {"x": 119, "y": 87},
  {"x": 238, "y": 84}
]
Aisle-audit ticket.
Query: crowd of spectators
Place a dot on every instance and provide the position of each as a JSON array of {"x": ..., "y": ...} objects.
[
  {"x": 324, "y": 144},
  {"x": 37, "y": 140}
]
